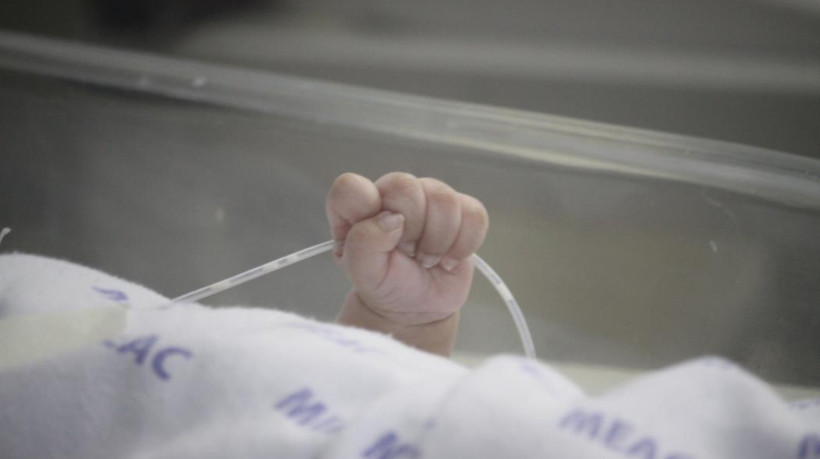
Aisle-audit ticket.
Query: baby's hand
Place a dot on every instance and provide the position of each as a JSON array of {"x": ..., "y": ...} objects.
[{"x": 405, "y": 243}]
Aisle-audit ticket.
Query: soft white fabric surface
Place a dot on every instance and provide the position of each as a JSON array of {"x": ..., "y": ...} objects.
[{"x": 195, "y": 382}]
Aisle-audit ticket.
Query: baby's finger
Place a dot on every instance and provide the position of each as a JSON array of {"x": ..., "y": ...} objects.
[
  {"x": 351, "y": 199},
  {"x": 474, "y": 225},
  {"x": 441, "y": 224},
  {"x": 368, "y": 247},
  {"x": 403, "y": 193}
]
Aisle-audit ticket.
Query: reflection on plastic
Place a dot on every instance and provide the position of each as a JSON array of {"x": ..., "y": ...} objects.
[{"x": 3, "y": 233}]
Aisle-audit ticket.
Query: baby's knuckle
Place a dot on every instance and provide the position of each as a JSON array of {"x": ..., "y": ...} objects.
[
  {"x": 475, "y": 212},
  {"x": 346, "y": 179},
  {"x": 440, "y": 193},
  {"x": 344, "y": 184},
  {"x": 447, "y": 200},
  {"x": 397, "y": 182}
]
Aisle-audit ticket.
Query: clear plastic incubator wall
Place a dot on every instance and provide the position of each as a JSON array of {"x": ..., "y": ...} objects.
[{"x": 627, "y": 250}]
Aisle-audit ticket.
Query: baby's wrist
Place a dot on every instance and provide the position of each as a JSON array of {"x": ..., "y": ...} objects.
[{"x": 436, "y": 335}]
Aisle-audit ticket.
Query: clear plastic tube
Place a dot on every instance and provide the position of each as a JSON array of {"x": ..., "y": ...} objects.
[
  {"x": 512, "y": 305},
  {"x": 253, "y": 273},
  {"x": 279, "y": 263}
]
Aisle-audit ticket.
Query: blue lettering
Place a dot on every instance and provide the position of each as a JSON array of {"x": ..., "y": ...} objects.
[
  {"x": 646, "y": 448},
  {"x": 616, "y": 435},
  {"x": 809, "y": 447},
  {"x": 302, "y": 408},
  {"x": 111, "y": 294},
  {"x": 530, "y": 369},
  {"x": 805, "y": 404},
  {"x": 158, "y": 362},
  {"x": 296, "y": 405},
  {"x": 580, "y": 421},
  {"x": 330, "y": 425},
  {"x": 388, "y": 447},
  {"x": 336, "y": 336},
  {"x": 140, "y": 347}
]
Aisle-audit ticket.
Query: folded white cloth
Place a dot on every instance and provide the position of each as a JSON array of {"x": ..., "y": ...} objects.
[{"x": 191, "y": 381}]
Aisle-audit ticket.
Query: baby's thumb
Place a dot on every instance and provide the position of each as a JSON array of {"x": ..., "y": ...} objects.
[{"x": 367, "y": 248}]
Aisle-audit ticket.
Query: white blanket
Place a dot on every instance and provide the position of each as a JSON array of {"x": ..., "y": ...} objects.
[{"x": 195, "y": 382}]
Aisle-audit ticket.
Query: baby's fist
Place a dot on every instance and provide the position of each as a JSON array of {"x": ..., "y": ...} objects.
[{"x": 405, "y": 243}]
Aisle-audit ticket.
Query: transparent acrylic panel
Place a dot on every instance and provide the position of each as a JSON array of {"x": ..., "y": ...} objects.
[{"x": 625, "y": 248}]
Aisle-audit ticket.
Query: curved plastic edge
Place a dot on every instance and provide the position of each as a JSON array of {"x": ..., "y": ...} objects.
[{"x": 503, "y": 133}]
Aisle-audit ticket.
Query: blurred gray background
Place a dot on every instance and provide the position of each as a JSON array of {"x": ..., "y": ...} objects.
[{"x": 746, "y": 71}]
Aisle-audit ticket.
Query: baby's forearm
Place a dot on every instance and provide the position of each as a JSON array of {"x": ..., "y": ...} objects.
[{"x": 435, "y": 337}]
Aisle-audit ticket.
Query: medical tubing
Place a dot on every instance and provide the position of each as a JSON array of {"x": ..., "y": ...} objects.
[
  {"x": 253, "y": 273},
  {"x": 509, "y": 301},
  {"x": 279, "y": 263}
]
